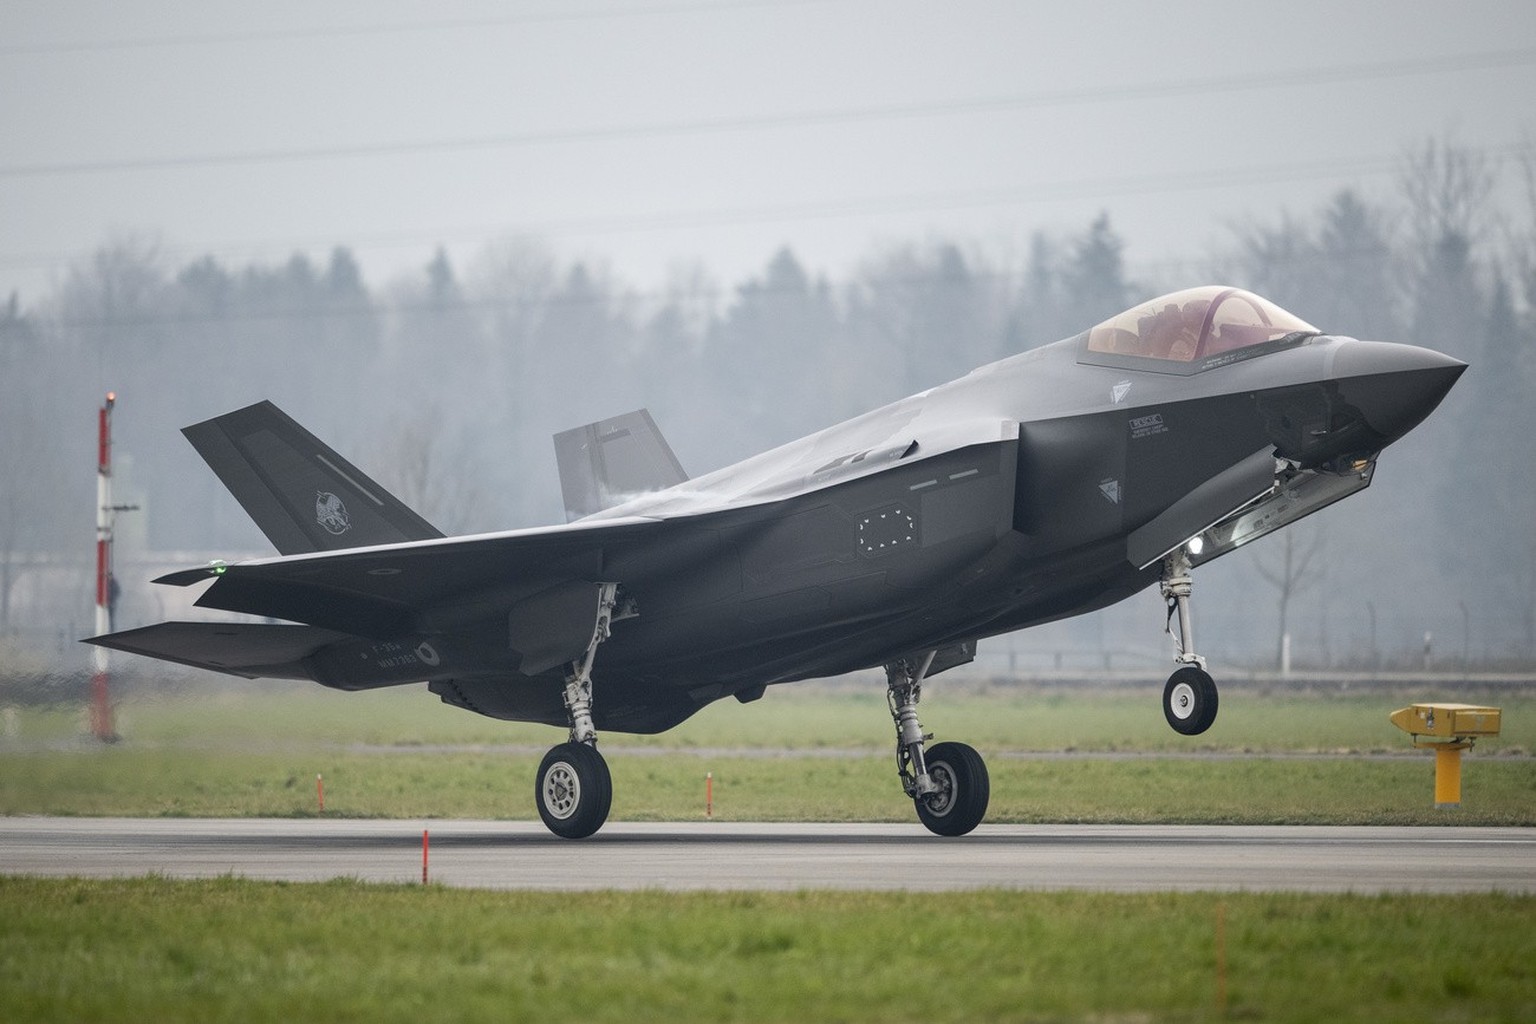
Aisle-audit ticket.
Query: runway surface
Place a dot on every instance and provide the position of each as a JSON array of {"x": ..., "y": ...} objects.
[{"x": 715, "y": 855}]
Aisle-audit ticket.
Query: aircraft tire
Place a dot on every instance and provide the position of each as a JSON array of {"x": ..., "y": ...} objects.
[
  {"x": 1189, "y": 701},
  {"x": 573, "y": 790},
  {"x": 964, "y": 789}
]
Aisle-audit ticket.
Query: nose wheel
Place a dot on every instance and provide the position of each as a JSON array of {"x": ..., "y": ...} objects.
[{"x": 1189, "y": 700}]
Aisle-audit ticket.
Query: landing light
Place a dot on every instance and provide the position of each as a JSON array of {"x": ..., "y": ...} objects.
[{"x": 1195, "y": 545}]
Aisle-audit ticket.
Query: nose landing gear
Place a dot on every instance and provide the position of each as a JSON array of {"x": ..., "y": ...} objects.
[{"x": 1189, "y": 698}]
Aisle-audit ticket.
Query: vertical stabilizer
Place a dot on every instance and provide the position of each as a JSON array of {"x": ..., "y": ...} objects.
[
  {"x": 604, "y": 463},
  {"x": 304, "y": 496}
]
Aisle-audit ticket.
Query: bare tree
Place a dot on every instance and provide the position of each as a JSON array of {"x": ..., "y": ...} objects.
[
  {"x": 1524, "y": 243},
  {"x": 932, "y": 309},
  {"x": 418, "y": 465},
  {"x": 1530, "y": 600},
  {"x": 1447, "y": 189},
  {"x": 1289, "y": 575},
  {"x": 33, "y": 481}
]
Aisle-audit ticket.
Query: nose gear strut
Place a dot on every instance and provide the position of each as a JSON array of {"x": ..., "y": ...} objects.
[{"x": 1177, "y": 585}]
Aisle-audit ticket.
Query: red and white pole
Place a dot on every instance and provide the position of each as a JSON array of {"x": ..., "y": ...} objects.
[{"x": 101, "y": 707}]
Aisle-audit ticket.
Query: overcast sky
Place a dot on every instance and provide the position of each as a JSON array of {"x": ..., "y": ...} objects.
[{"x": 650, "y": 134}]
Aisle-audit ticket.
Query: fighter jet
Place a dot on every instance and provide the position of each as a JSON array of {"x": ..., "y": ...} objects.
[{"x": 1049, "y": 484}]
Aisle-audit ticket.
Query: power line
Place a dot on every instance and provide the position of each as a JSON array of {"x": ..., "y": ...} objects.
[
  {"x": 397, "y": 28},
  {"x": 1332, "y": 75}
]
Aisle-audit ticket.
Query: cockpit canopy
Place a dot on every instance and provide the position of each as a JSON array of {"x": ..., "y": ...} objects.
[{"x": 1193, "y": 330}]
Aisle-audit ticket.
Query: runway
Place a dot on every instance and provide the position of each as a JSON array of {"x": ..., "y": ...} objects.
[{"x": 721, "y": 856}]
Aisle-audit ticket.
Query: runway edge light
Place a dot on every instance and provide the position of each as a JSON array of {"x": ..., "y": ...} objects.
[{"x": 1448, "y": 729}]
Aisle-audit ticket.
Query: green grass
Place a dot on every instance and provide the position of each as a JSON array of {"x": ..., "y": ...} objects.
[
  {"x": 255, "y": 751},
  {"x": 670, "y": 787},
  {"x": 233, "y": 950},
  {"x": 230, "y": 949},
  {"x": 805, "y": 717}
]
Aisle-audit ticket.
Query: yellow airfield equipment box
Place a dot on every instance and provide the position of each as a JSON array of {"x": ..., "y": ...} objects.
[
  {"x": 1449, "y": 729},
  {"x": 1447, "y": 723}
]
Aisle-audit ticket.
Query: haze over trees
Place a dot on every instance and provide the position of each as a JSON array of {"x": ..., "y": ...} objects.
[{"x": 448, "y": 384}]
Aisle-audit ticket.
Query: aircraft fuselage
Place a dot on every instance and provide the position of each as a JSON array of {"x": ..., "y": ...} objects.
[{"x": 999, "y": 501}]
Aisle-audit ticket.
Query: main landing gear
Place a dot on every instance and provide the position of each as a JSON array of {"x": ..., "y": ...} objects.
[
  {"x": 1189, "y": 698},
  {"x": 947, "y": 782},
  {"x": 573, "y": 789}
]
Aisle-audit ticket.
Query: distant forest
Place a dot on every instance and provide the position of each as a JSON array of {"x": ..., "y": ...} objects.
[{"x": 447, "y": 386}]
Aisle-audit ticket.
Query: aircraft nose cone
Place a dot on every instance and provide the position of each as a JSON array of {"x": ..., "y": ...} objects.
[{"x": 1393, "y": 386}]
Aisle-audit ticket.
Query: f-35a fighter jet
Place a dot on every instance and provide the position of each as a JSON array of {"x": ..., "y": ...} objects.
[{"x": 1049, "y": 484}]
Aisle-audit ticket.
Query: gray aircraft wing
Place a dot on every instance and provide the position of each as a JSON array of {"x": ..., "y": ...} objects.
[
  {"x": 535, "y": 589},
  {"x": 388, "y": 590}
]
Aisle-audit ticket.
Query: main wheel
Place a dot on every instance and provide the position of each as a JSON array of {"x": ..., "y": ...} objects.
[
  {"x": 960, "y": 802},
  {"x": 1189, "y": 700},
  {"x": 573, "y": 790}
]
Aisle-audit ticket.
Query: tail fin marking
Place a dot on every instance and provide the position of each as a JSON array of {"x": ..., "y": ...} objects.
[{"x": 304, "y": 496}]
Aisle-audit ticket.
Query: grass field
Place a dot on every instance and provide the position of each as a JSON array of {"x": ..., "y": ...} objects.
[
  {"x": 231, "y": 950},
  {"x": 235, "y": 950},
  {"x": 799, "y": 754},
  {"x": 805, "y": 717},
  {"x": 670, "y": 787}
]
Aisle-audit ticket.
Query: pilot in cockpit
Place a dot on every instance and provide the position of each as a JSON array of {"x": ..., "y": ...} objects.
[{"x": 1173, "y": 332}]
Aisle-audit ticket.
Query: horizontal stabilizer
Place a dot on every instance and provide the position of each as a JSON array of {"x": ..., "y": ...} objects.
[
  {"x": 304, "y": 496},
  {"x": 252, "y": 650},
  {"x": 612, "y": 460}
]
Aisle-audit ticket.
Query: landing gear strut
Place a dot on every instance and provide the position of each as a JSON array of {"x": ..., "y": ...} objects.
[
  {"x": 573, "y": 789},
  {"x": 948, "y": 783},
  {"x": 1189, "y": 698}
]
